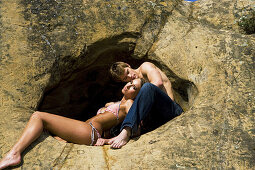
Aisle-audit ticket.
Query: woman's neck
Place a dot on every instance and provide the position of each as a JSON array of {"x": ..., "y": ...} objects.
[{"x": 124, "y": 99}]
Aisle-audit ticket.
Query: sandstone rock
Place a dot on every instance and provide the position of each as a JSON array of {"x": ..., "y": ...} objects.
[{"x": 52, "y": 49}]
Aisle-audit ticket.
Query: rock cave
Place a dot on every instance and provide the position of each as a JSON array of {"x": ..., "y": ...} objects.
[
  {"x": 83, "y": 91},
  {"x": 55, "y": 57}
]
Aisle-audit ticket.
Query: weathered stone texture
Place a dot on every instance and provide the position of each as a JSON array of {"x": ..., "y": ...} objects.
[{"x": 49, "y": 45}]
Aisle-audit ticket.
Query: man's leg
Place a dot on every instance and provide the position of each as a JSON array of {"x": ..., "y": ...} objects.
[
  {"x": 150, "y": 96},
  {"x": 140, "y": 108},
  {"x": 135, "y": 115},
  {"x": 163, "y": 110}
]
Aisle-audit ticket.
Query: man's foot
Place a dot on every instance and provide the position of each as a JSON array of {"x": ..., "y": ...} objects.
[
  {"x": 122, "y": 139},
  {"x": 11, "y": 159}
]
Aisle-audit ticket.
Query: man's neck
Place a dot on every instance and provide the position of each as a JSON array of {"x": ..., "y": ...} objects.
[{"x": 138, "y": 72}]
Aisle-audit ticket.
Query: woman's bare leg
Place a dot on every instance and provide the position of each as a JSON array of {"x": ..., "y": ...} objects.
[
  {"x": 31, "y": 132},
  {"x": 68, "y": 129}
]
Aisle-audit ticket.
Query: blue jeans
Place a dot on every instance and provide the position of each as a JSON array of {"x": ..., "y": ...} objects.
[{"x": 151, "y": 102}]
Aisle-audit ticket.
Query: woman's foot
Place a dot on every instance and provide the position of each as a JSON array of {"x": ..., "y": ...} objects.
[
  {"x": 122, "y": 139},
  {"x": 11, "y": 159}
]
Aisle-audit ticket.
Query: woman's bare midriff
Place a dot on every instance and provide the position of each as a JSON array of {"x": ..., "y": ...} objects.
[{"x": 103, "y": 121}]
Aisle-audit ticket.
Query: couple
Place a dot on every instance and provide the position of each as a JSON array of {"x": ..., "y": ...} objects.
[{"x": 139, "y": 102}]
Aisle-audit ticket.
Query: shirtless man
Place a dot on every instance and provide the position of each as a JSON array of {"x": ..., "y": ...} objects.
[
  {"x": 156, "y": 95},
  {"x": 123, "y": 72}
]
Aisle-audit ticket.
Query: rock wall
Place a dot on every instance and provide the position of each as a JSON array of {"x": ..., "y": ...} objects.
[{"x": 47, "y": 43}]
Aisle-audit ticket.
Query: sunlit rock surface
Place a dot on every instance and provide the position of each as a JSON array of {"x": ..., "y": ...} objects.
[{"x": 55, "y": 56}]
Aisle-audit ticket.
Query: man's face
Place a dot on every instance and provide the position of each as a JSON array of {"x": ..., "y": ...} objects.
[{"x": 128, "y": 75}]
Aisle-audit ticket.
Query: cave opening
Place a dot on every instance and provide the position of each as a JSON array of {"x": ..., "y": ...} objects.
[
  {"x": 85, "y": 90},
  {"x": 82, "y": 94}
]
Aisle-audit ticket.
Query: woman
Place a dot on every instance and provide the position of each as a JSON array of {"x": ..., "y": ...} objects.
[{"x": 71, "y": 130}]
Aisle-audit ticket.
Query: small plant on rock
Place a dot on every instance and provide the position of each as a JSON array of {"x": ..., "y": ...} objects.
[{"x": 247, "y": 20}]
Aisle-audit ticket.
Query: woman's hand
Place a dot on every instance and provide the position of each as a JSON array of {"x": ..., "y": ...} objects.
[
  {"x": 101, "y": 142},
  {"x": 60, "y": 139}
]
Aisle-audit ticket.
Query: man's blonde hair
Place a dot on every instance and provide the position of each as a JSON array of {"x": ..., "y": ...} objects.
[{"x": 117, "y": 69}]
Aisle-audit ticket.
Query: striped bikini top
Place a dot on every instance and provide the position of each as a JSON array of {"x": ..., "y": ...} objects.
[{"x": 113, "y": 108}]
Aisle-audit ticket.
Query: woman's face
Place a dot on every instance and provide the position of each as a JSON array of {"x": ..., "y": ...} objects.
[{"x": 131, "y": 89}]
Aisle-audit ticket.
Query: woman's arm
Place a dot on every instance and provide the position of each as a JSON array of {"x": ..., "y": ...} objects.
[
  {"x": 60, "y": 139},
  {"x": 102, "y": 141},
  {"x": 107, "y": 134}
]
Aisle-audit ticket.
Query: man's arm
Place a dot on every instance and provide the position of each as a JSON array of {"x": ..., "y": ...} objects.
[{"x": 150, "y": 71}]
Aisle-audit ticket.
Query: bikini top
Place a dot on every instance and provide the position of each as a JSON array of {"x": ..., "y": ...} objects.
[{"x": 113, "y": 108}]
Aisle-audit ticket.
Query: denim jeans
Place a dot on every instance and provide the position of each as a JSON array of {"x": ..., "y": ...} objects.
[{"x": 151, "y": 102}]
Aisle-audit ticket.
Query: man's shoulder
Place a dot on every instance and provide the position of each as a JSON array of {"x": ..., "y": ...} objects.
[{"x": 147, "y": 65}]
